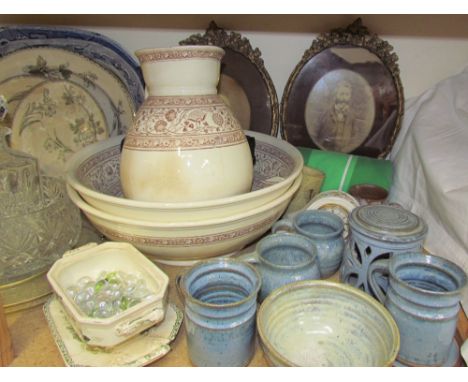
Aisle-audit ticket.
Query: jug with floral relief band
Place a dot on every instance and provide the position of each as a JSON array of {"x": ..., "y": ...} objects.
[{"x": 185, "y": 144}]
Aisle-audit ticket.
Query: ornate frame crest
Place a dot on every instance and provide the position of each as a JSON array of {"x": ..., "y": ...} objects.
[
  {"x": 244, "y": 65},
  {"x": 379, "y": 74}
]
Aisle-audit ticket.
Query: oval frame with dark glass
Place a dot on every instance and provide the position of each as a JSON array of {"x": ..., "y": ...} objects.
[
  {"x": 243, "y": 71},
  {"x": 351, "y": 70}
]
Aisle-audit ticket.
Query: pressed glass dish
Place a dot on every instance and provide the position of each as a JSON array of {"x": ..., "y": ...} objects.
[
  {"x": 30, "y": 243},
  {"x": 38, "y": 222}
]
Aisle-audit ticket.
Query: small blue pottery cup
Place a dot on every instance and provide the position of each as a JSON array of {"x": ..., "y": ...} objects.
[
  {"x": 283, "y": 258},
  {"x": 220, "y": 298},
  {"x": 325, "y": 229}
]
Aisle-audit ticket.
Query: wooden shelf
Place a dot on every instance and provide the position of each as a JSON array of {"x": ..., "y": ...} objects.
[
  {"x": 34, "y": 344},
  {"x": 384, "y": 25},
  {"x": 6, "y": 348}
]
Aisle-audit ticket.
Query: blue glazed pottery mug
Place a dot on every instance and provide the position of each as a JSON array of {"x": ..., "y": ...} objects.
[
  {"x": 220, "y": 300},
  {"x": 325, "y": 229},
  {"x": 283, "y": 258},
  {"x": 423, "y": 296}
]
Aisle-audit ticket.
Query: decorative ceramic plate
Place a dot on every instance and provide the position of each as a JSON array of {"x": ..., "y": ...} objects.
[
  {"x": 338, "y": 202},
  {"x": 21, "y": 71},
  {"x": 98, "y": 48},
  {"x": 54, "y": 120},
  {"x": 14, "y": 89},
  {"x": 145, "y": 348},
  {"x": 57, "y": 64}
]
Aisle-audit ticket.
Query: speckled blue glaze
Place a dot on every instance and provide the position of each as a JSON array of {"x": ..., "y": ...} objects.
[
  {"x": 423, "y": 297},
  {"x": 378, "y": 231},
  {"x": 325, "y": 230},
  {"x": 220, "y": 311},
  {"x": 283, "y": 258}
]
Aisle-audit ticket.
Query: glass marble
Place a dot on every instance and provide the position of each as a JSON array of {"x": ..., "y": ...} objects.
[{"x": 109, "y": 294}]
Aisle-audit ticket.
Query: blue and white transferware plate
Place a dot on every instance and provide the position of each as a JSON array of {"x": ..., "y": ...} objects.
[
  {"x": 25, "y": 70},
  {"x": 54, "y": 120},
  {"x": 96, "y": 47}
]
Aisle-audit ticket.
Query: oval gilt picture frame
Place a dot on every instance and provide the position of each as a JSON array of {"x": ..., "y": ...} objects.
[
  {"x": 244, "y": 84},
  {"x": 345, "y": 95}
]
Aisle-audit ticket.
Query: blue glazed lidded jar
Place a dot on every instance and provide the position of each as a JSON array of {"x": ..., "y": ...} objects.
[{"x": 378, "y": 232}]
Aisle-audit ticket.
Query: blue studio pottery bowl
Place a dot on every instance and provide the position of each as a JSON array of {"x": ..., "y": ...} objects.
[{"x": 322, "y": 323}]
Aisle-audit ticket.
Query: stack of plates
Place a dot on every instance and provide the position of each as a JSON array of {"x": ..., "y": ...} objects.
[{"x": 65, "y": 90}]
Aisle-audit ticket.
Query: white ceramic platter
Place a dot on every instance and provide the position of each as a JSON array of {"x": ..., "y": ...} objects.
[
  {"x": 141, "y": 350},
  {"x": 338, "y": 202},
  {"x": 52, "y": 64}
]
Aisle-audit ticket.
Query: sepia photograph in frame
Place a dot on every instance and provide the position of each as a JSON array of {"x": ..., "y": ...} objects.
[
  {"x": 245, "y": 84},
  {"x": 345, "y": 95}
]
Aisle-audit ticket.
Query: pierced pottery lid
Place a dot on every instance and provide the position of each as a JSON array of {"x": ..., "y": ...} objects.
[{"x": 387, "y": 223}]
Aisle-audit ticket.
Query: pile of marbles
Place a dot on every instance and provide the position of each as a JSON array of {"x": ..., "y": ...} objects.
[{"x": 110, "y": 294}]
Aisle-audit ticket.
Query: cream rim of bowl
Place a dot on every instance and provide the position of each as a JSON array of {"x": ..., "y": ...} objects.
[
  {"x": 373, "y": 303},
  {"x": 77, "y": 159},
  {"x": 78, "y": 201}
]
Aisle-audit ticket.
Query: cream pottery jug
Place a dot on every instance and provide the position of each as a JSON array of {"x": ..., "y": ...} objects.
[{"x": 185, "y": 144}]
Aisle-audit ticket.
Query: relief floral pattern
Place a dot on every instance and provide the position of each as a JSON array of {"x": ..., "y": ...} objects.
[{"x": 179, "y": 55}]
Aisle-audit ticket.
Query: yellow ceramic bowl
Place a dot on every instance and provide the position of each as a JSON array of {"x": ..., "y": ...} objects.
[
  {"x": 323, "y": 323},
  {"x": 94, "y": 173},
  {"x": 189, "y": 241}
]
